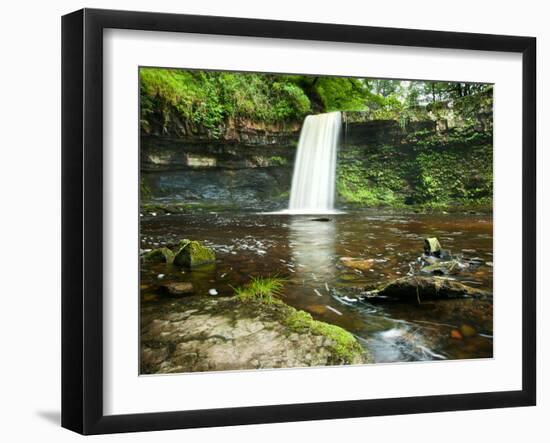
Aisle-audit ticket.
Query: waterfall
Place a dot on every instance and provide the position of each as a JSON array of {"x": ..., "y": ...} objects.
[{"x": 314, "y": 176}]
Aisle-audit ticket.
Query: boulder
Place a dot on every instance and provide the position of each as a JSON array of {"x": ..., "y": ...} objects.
[
  {"x": 160, "y": 255},
  {"x": 193, "y": 253},
  {"x": 417, "y": 288}
]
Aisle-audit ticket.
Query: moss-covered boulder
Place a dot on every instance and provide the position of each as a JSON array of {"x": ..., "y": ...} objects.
[
  {"x": 190, "y": 253},
  {"x": 159, "y": 255},
  {"x": 344, "y": 347}
]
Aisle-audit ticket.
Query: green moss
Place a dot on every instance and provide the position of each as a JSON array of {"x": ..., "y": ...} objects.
[
  {"x": 192, "y": 253},
  {"x": 343, "y": 344},
  {"x": 424, "y": 168},
  {"x": 277, "y": 160},
  {"x": 264, "y": 289},
  {"x": 160, "y": 255}
]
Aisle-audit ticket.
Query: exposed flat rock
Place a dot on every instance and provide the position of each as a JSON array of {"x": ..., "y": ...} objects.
[{"x": 213, "y": 334}]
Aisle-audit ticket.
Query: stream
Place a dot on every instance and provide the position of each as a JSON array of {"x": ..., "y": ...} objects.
[{"x": 308, "y": 255}]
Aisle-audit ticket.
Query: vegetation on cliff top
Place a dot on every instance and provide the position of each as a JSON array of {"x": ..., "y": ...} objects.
[
  {"x": 209, "y": 101},
  {"x": 206, "y": 100}
]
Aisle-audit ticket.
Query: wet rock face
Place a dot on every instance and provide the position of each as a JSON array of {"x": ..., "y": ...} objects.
[
  {"x": 228, "y": 186},
  {"x": 212, "y": 334},
  {"x": 183, "y": 154}
]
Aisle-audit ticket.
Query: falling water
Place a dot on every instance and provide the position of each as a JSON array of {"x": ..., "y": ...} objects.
[{"x": 314, "y": 175}]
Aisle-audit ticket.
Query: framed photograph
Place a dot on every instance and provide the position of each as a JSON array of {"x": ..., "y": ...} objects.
[{"x": 269, "y": 221}]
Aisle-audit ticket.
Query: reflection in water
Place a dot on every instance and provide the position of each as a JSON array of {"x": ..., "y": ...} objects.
[{"x": 312, "y": 250}]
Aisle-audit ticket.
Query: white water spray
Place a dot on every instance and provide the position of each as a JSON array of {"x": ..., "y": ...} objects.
[{"x": 312, "y": 190}]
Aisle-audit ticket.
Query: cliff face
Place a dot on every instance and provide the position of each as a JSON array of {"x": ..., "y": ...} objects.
[
  {"x": 253, "y": 168},
  {"x": 437, "y": 163},
  {"x": 425, "y": 163}
]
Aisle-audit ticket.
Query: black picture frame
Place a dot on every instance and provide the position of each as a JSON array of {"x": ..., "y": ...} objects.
[{"x": 82, "y": 218}]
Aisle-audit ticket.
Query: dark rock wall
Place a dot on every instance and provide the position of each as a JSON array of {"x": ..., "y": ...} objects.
[{"x": 380, "y": 162}]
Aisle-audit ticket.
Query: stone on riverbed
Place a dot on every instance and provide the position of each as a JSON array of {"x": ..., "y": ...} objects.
[
  {"x": 179, "y": 288},
  {"x": 415, "y": 288},
  {"x": 160, "y": 255},
  {"x": 361, "y": 265},
  {"x": 192, "y": 253},
  {"x": 213, "y": 334},
  {"x": 444, "y": 267}
]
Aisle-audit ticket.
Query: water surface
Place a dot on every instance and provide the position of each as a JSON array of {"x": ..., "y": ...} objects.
[{"x": 308, "y": 255}]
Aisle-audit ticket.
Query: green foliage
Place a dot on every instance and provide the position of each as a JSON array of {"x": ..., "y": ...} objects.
[
  {"x": 277, "y": 160},
  {"x": 208, "y": 100},
  {"x": 342, "y": 94},
  {"x": 264, "y": 289},
  {"x": 342, "y": 343}
]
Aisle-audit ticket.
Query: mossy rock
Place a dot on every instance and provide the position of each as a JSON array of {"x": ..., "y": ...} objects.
[
  {"x": 192, "y": 253},
  {"x": 159, "y": 255},
  {"x": 344, "y": 346},
  {"x": 432, "y": 246},
  {"x": 417, "y": 288}
]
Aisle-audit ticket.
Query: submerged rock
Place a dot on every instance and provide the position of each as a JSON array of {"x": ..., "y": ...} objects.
[
  {"x": 416, "y": 288},
  {"x": 179, "y": 288},
  {"x": 444, "y": 267},
  {"x": 159, "y": 255},
  {"x": 214, "y": 334},
  {"x": 467, "y": 330},
  {"x": 362, "y": 265},
  {"x": 192, "y": 253}
]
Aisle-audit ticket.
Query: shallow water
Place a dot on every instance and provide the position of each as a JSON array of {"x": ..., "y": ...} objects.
[{"x": 308, "y": 255}]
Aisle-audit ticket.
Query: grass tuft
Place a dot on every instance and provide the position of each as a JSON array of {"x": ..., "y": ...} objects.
[{"x": 264, "y": 289}]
